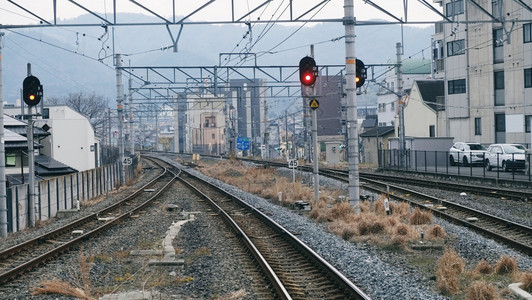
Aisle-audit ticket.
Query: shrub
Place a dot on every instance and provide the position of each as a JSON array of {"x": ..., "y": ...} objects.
[
  {"x": 450, "y": 266},
  {"x": 437, "y": 232},
  {"x": 480, "y": 290},
  {"x": 400, "y": 209},
  {"x": 341, "y": 211},
  {"x": 506, "y": 265},
  {"x": 526, "y": 280},
  {"x": 367, "y": 226},
  {"x": 402, "y": 230},
  {"x": 419, "y": 217},
  {"x": 343, "y": 229},
  {"x": 483, "y": 267}
]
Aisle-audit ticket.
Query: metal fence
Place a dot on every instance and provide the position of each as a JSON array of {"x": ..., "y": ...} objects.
[
  {"x": 437, "y": 162},
  {"x": 62, "y": 193}
]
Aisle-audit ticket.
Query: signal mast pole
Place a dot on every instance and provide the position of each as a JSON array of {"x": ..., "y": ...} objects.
[
  {"x": 31, "y": 164},
  {"x": 352, "y": 133}
]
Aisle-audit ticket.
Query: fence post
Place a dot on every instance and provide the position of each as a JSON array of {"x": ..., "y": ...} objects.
[
  {"x": 425, "y": 157},
  {"x": 435, "y": 163},
  {"x": 39, "y": 198},
  {"x": 49, "y": 201},
  {"x": 65, "y": 191},
  {"x": 16, "y": 208},
  {"x": 57, "y": 194}
]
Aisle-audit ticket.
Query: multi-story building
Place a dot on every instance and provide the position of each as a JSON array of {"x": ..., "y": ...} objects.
[
  {"x": 484, "y": 57},
  {"x": 252, "y": 111},
  {"x": 201, "y": 123}
]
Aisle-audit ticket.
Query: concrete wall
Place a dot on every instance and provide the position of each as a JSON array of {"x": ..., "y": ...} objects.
[{"x": 60, "y": 193}]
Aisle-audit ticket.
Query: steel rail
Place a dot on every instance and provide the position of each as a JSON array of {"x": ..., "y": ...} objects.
[{"x": 43, "y": 258}]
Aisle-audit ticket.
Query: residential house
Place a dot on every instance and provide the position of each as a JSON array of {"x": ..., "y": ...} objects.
[{"x": 421, "y": 109}]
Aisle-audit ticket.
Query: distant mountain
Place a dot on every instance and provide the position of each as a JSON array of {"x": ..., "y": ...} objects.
[{"x": 66, "y": 59}]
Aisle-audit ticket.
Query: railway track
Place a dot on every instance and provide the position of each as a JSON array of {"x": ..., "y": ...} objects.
[
  {"x": 293, "y": 270},
  {"x": 513, "y": 234},
  {"x": 475, "y": 189},
  {"x": 21, "y": 258},
  {"x": 508, "y": 232}
]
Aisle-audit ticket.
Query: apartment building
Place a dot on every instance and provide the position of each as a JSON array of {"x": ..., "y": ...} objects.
[{"x": 482, "y": 51}]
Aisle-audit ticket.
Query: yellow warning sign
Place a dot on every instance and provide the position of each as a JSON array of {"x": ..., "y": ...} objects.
[{"x": 314, "y": 104}]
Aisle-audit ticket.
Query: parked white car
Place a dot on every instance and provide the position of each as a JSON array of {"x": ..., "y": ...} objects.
[
  {"x": 466, "y": 153},
  {"x": 505, "y": 156}
]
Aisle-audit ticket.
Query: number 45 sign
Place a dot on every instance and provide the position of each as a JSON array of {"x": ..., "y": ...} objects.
[
  {"x": 293, "y": 163},
  {"x": 127, "y": 161}
]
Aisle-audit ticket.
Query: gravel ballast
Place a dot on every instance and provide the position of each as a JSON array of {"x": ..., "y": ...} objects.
[{"x": 211, "y": 271}]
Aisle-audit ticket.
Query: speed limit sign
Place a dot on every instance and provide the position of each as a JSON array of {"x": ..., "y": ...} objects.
[
  {"x": 293, "y": 163},
  {"x": 127, "y": 161}
]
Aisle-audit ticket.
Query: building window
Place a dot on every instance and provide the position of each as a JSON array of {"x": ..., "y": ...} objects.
[
  {"x": 392, "y": 106},
  {"x": 500, "y": 123},
  {"x": 527, "y": 123},
  {"x": 454, "y": 8},
  {"x": 455, "y": 47},
  {"x": 213, "y": 136},
  {"x": 528, "y": 78},
  {"x": 11, "y": 160},
  {"x": 478, "y": 126},
  {"x": 498, "y": 42},
  {"x": 457, "y": 86},
  {"x": 499, "y": 80},
  {"x": 432, "y": 131},
  {"x": 527, "y": 33}
]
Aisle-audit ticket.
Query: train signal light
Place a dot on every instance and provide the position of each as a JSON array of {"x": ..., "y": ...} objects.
[
  {"x": 31, "y": 90},
  {"x": 360, "y": 73},
  {"x": 308, "y": 71}
]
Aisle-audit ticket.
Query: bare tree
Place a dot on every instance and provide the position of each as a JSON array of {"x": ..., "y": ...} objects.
[{"x": 92, "y": 106}]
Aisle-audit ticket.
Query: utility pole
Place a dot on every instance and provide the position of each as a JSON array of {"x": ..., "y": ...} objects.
[
  {"x": 352, "y": 133},
  {"x": 3, "y": 188},
  {"x": 131, "y": 129},
  {"x": 31, "y": 163},
  {"x": 402, "y": 144},
  {"x": 315, "y": 140},
  {"x": 119, "y": 109},
  {"x": 286, "y": 134}
]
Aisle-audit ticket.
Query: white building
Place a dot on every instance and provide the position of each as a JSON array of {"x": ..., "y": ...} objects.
[
  {"x": 71, "y": 140},
  {"x": 487, "y": 70},
  {"x": 387, "y": 99}
]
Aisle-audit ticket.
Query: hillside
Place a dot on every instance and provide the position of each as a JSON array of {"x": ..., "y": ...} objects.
[{"x": 66, "y": 59}]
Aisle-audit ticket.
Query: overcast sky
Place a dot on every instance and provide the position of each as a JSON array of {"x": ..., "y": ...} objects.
[{"x": 218, "y": 10}]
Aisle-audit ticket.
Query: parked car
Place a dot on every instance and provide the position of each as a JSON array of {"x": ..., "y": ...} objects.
[
  {"x": 505, "y": 156},
  {"x": 466, "y": 153}
]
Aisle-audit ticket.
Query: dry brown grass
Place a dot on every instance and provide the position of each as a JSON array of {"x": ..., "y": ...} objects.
[
  {"x": 481, "y": 290},
  {"x": 419, "y": 217},
  {"x": 56, "y": 286},
  {"x": 342, "y": 211},
  {"x": 526, "y": 280},
  {"x": 506, "y": 265},
  {"x": 343, "y": 229},
  {"x": 436, "y": 232},
  {"x": 483, "y": 267},
  {"x": 450, "y": 266},
  {"x": 400, "y": 209}
]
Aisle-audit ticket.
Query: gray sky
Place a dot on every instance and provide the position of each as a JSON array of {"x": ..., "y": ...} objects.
[{"x": 218, "y": 10}]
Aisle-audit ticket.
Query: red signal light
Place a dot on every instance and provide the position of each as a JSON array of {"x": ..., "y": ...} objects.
[{"x": 308, "y": 71}]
